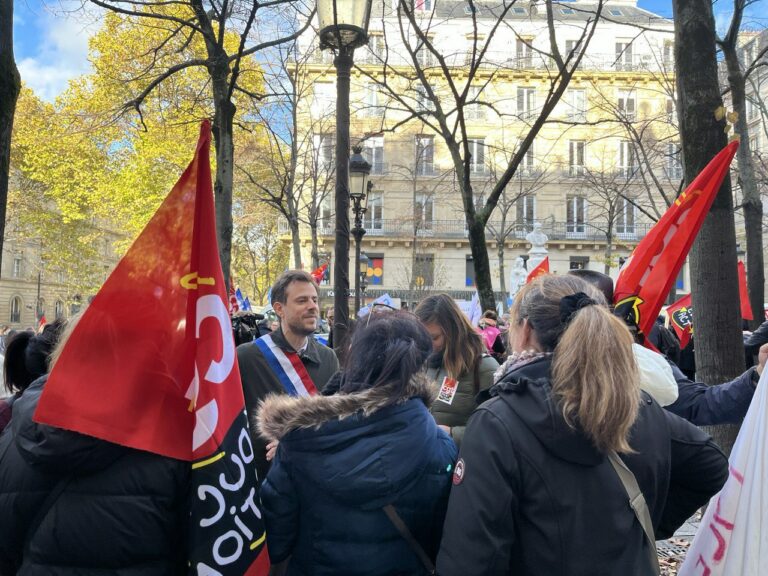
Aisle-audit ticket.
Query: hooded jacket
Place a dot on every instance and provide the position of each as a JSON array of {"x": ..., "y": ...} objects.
[
  {"x": 341, "y": 459},
  {"x": 533, "y": 496},
  {"x": 119, "y": 511}
]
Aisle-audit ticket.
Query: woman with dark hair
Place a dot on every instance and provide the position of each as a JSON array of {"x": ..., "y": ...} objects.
[
  {"x": 360, "y": 479},
  {"x": 26, "y": 359},
  {"x": 551, "y": 463},
  {"x": 459, "y": 363}
]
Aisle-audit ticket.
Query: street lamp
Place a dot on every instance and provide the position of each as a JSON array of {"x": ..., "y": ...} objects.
[
  {"x": 343, "y": 27},
  {"x": 362, "y": 278},
  {"x": 359, "y": 191}
]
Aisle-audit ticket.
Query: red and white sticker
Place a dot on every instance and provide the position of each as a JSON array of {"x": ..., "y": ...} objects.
[
  {"x": 448, "y": 390},
  {"x": 458, "y": 473}
]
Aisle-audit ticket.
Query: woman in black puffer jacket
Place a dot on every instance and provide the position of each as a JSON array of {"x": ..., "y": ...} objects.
[{"x": 73, "y": 504}]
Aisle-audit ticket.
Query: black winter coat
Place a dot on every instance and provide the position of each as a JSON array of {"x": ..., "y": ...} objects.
[
  {"x": 532, "y": 496},
  {"x": 122, "y": 512}
]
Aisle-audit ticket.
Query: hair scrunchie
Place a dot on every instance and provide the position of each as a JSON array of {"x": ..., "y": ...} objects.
[{"x": 569, "y": 305}]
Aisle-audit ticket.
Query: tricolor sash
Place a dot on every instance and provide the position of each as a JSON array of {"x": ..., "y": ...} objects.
[{"x": 288, "y": 368}]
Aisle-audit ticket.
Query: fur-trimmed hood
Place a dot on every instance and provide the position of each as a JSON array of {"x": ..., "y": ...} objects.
[
  {"x": 363, "y": 448},
  {"x": 278, "y": 414}
]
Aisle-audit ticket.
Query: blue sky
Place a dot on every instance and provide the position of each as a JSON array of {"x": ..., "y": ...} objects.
[{"x": 51, "y": 39}]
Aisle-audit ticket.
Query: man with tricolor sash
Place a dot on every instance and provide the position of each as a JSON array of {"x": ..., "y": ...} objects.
[{"x": 289, "y": 360}]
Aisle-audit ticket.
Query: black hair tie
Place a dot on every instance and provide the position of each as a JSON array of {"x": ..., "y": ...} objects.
[{"x": 569, "y": 305}]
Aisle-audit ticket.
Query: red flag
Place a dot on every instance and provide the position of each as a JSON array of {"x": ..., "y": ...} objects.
[
  {"x": 746, "y": 309},
  {"x": 319, "y": 273},
  {"x": 681, "y": 319},
  {"x": 157, "y": 345},
  {"x": 42, "y": 322},
  {"x": 648, "y": 275},
  {"x": 233, "y": 305},
  {"x": 540, "y": 269}
]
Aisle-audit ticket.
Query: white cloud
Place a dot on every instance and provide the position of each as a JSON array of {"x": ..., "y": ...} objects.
[{"x": 62, "y": 53}]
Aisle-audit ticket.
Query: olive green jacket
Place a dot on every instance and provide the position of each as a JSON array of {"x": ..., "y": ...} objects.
[{"x": 463, "y": 403}]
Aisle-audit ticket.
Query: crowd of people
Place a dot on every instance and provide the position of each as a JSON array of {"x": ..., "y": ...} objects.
[{"x": 511, "y": 447}]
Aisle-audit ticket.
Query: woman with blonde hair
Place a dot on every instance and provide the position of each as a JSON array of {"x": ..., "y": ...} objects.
[
  {"x": 550, "y": 463},
  {"x": 459, "y": 363}
]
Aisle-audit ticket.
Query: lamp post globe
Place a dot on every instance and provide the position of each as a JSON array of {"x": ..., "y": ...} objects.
[
  {"x": 343, "y": 23},
  {"x": 343, "y": 26}
]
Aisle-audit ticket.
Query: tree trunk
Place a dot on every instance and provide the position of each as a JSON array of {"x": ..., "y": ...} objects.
[
  {"x": 753, "y": 206},
  {"x": 482, "y": 264},
  {"x": 608, "y": 254},
  {"x": 10, "y": 86},
  {"x": 225, "y": 152},
  {"x": 719, "y": 346},
  {"x": 296, "y": 243},
  {"x": 502, "y": 272},
  {"x": 315, "y": 247}
]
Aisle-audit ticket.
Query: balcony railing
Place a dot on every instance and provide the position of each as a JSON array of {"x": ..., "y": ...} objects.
[{"x": 405, "y": 227}]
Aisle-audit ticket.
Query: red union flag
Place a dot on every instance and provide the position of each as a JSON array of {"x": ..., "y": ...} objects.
[
  {"x": 319, "y": 273},
  {"x": 540, "y": 269},
  {"x": 648, "y": 274},
  {"x": 746, "y": 309},
  {"x": 157, "y": 339},
  {"x": 681, "y": 319}
]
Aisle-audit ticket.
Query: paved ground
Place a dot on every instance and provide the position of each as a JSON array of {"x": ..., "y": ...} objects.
[{"x": 672, "y": 552}]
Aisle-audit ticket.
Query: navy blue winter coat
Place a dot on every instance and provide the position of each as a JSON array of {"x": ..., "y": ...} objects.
[{"x": 341, "y": 459}]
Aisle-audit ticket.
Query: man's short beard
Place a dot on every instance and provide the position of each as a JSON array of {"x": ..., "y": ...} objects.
[{"x": 300, "y": 330}]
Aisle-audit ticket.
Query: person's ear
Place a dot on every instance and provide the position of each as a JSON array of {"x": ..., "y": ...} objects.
[{"x": 278, "y": 308}]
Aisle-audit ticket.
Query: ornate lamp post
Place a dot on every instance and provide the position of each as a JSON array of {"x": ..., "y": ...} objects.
[
  {"x": 362, "y": 278},
  {"x": 359, "y": 190},
  {"x": 343, "y": 27}
]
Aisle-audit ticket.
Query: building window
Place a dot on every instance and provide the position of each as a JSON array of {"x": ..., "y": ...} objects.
[
  {"x": 373, "y": 219},
  {"x": 671, "y": 111},
  {"x": 626, "y": 105},
  {"x": 423, "y": 212},
  {"x": 373, "y": 150},
  {"x": 324, "y": 146},
  {"x": 625, "y": 219},
  {"x": 15, "y": 310},
  {"x": 567, "y": 11},
  {"x": 59, "y": 309},
  {"x": 17, "y": 266},
  {"x": 576, "y": 153},
  {"x": 423, "y": 103},
  {"x": 425, "y": 155},
  {"x": 527, "y": 167},
  {"x": 374, "y": 102},
  {"x": 669, "y": 55},
  {"x": 525, "y": 215},
  {"x": 576, "y": 216},
  {"x": 325, "y": 223},
  {"x": 615, "y": 12},
  {"x": 627, "y": 164},
  {"x": 524, "y": 52},
  {"x": 376, "y": 48},
  {"x": 424, "y": 56},
  {"x": 526, "y": 102},
  {"x": 623, "y": 55},
  {"x": 473, "y": 110},
  {"x": 576, "y": 102},
  {"x": 578, "y": 262},
  {"x": 424, "y": 270},
  {"x": 323, "y": 98},
  {"x": 422, "y": 5},
  {"x": 674, "y": 161},
  {"x": 469, "y": 268},
  {"x": 572, "y": 47},
  {"x": 751, "y": 108},
  {"x": 376, "y": 269},
  {"x": 477, "y": 155}
]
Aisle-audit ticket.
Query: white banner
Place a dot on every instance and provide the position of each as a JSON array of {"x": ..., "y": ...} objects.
[{"x": 733, "y": 537}]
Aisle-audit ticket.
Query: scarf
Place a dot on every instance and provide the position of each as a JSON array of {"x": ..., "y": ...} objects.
[{"x": 516, "y": 360}]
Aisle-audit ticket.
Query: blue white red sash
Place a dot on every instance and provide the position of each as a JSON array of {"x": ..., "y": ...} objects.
[{"x": 288, "y": 368}]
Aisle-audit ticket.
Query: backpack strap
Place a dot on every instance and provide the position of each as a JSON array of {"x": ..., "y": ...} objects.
[
  {"x": 394, "y": 517},
  {"x": 638, "y": 504}
]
